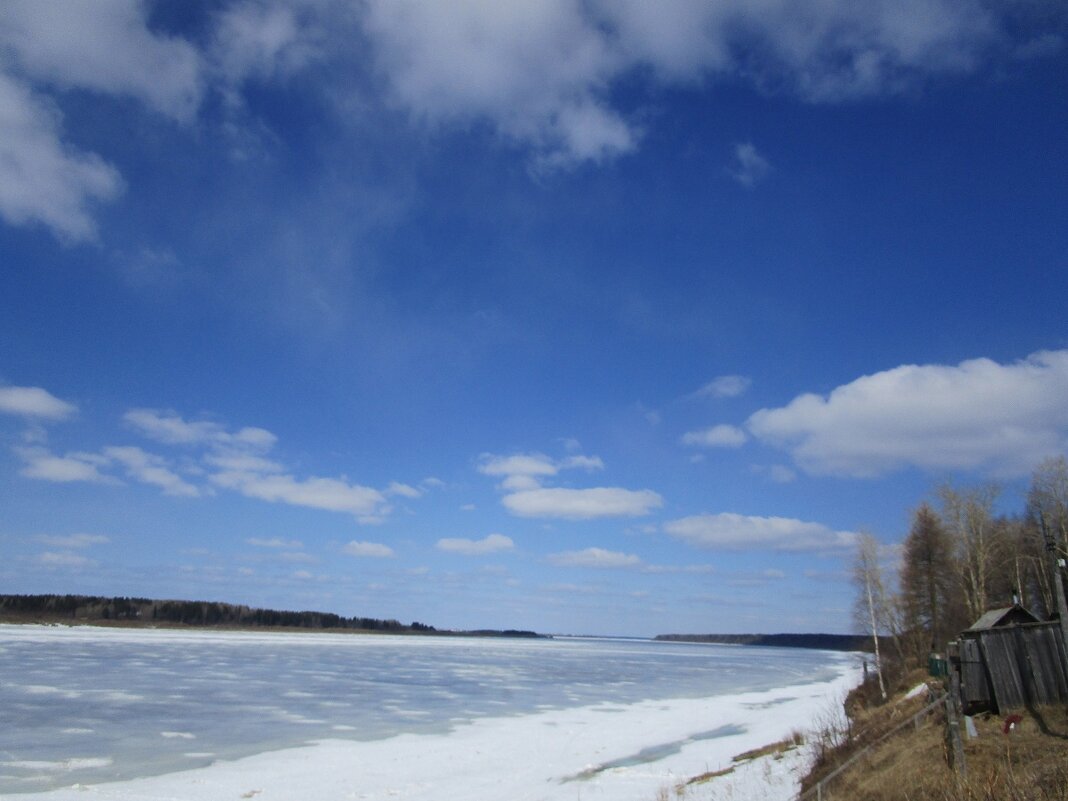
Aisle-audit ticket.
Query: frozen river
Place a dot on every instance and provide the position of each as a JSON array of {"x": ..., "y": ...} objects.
[{"x": 84, "y": 706}]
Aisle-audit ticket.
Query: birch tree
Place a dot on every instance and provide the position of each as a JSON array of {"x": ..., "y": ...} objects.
[{"x": 871, "y": 604}]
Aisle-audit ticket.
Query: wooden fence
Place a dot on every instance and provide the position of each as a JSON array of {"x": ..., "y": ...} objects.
[{"x": 1013, "y": 666}]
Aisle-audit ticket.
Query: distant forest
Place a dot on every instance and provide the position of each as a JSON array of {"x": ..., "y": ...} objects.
[
  {"x": 150, "y": 612},
  {"x": 94, "y": 609},
  {"x": 825, "y": 642}
]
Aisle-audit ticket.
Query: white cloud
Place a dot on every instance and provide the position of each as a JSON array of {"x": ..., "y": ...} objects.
[
  {"x": 35, "y": 402},
  {"x": 41, "y": 179},
  {"x": 64, "y": 559},
  {"x": 521, "y": 464},
  {"x": 170, "y": 428},
  {"x": 254, "y": 39},
  {"x": 73, "y": 541},
  {"x": 747, "y": 166},
  {"x": 582, "y": 462},
  {"x": 582, "y": 504},
  {"x": 594, "y": 557},
  {"x": 404, "y": 490},
  {"x": 739, "y": 532},
  {"x": 489, "y": 544},
  {"x": 103, "y": 46},
  {"x": 150, "y": 469},
  {"x": 724, "y": 386},
  {"x": 720, "y": 436},
  {"x": 274, "y": 542},
  {"x": 373, "y": 550},
  {"x": 243, "y": 462},
  {"x": 46, "y": 466},
  {"x": 329, "y": 494},
  {"x": 541, "y": 73},
  {"x": 978, "y": 415},
  {"x": 525, "y": 496},
  {"x": 537, "y": 71}
]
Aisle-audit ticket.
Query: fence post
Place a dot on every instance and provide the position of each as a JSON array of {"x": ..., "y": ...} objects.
[{"x": 955, "y": 746}]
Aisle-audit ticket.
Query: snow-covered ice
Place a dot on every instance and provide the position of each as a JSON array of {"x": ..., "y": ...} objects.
[{"x": 625, "y": 738}]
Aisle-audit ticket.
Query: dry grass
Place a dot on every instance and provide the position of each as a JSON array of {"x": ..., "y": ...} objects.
[{"x": 1028, "y": 764}]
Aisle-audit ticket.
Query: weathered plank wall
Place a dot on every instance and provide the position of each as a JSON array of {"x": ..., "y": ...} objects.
[{"x": 1016, "y": 666}]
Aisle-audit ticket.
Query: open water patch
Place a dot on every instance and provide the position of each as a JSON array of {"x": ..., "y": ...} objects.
[{"x": 655, "y": 753}]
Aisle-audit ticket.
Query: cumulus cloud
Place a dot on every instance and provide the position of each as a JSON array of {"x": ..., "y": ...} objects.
[
  {"x": 538, "y": 71},
  {"x": 720, "y": 436},
  {"x": 541, "y": 73},
  {"x": 492, "y": 543},
  {"x": 747, "y": 166},
  {"x": 375, "y": 550},
  {"x": 740, "y": 532},
  {"x": 977, "y": 415},
  {"x": 594, "y": 557},
  {"x": 523, "y": 477},
  {"x": 34, "y": 402},
  {"x": 582, "y": 504}
]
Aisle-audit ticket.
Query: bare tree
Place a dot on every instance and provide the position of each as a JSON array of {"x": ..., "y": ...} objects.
[
  {"x": 1049, "y": 500},
  {"x": 967, "y": 515},
  {"x": 872, "y": 609}
]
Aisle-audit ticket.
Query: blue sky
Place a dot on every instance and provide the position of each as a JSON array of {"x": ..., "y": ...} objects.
[{"x": 582, "y": 317}]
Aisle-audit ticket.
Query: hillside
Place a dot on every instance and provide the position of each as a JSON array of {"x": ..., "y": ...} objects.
[{"x": 1027, "y": 761}]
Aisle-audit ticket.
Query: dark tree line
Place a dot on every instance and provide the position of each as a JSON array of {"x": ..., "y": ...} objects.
[
  {"x": 960, "y": 559},
  {"x": 87, "y": 608}
]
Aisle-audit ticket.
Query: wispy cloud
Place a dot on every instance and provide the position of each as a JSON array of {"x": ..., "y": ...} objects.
[
  {"x": 274, "y": 542},
  {"x": 724, "y": 386},
  {"x": 747, "y": 166},
  {"x": 594, "y": 557},
  {"x": 374, "y": 550},
  {"x": 73, "y": 541},
  {"x": 740, "y": 532},
  {"x": 492, "y": 543},
  {"x": 150, "y": 469}
]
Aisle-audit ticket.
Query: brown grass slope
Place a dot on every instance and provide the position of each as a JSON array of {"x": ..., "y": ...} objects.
[{"x": 1029, "y": 763}]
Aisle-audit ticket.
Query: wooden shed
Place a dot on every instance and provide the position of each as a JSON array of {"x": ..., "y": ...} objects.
[{"x": 1008, "y": 659}]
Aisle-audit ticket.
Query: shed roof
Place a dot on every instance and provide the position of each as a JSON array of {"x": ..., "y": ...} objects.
[{"x": 1003, "y": 617}]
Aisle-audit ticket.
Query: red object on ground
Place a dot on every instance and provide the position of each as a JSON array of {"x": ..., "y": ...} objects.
[{"x": 1010, "y": 723}]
